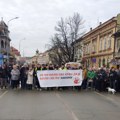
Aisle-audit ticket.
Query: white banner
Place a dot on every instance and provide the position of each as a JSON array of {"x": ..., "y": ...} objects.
[{"x": 57, "y": 78}]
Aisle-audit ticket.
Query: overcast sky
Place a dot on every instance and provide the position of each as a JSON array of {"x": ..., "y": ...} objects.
[{"x": 37, "y": 18}]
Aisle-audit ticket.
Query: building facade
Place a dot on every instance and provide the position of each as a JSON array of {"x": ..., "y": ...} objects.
[
  {"x": 4, "y": 42},
  {"x": 78, "y": 50},
  {"x": 99, "y": 44},
  {"x": 14, "y": 56},
  {"x": 41, "y": 58}
]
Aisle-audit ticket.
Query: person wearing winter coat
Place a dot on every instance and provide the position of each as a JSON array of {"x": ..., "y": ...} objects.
[
  {"x": 4, "y": 76},
  {"x": 118, "y": 79},
  {"x": 90, "y": 76},
  {"x": 35, "y": 78},
  {"x": 117, "y": 82},
  {"x": 84, "y": 83},
  {"x": 30, "y": 78},
  {"x": 101, "y": 80},
  {"x": 15, "y": 74},
  {"x": 23, "y": 76},
  {"x": 113, "y": 78}
]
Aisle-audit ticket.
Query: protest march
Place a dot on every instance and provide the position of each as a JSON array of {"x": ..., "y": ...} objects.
[{"x": 66, "y": 76}]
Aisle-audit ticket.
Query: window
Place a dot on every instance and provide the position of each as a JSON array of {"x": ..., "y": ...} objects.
[
  {"x": 94, "y": 47},
  {"x": 109, "y": 41},
  {"x": 77, "y": 54},
  {"x": 99, "y": 62},
  {"x": 105, "y": 43},
  {"x": 103, "y": 62},
  {"x": 5, "y": 44},
  {"x": 100, "y": 48},
  {"x": 90, "y": 48},
  {"x": 118, "y": 45},
  {"x": 108, "y": 65},
  {"x": 88, "y": 63},
  {"x": 84, "y": 49},
  {"x": 87, "y": 48},
  {"x": 2, "y": 44}
]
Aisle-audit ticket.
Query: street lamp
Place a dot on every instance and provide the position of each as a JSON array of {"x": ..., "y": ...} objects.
[
  {"x": 8, "y": 33},
  {"x": 11, "y": 20},
  {"x": 20, "y": 43}
]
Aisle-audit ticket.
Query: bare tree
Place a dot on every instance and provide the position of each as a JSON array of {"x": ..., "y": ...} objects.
[{"x": 67, "y": 32}]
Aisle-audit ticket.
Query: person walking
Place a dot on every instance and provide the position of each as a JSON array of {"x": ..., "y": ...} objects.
[
  {"x": 90, "y": 77},
  {"x": 23, "y": 76},
  {"x": 101, "y": 80},
  {"x": 50, "y": 67},
  {"x": 4, "y": 77},
  {"x": 84, "y": 83},
  {"x": 1, "y": 76},
  {"x": 30, "y": 78},
  {"x": 35, "y": 78},
  {"x": 15, "y": 74},
  {"x": 118, "y": 79},
  {"x": 113, "y": 78}
]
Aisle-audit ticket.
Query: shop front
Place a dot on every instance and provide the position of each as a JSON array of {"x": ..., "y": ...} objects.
[
  {"x": 1, "y": 59},
  {"x": 115, "y": 63}
]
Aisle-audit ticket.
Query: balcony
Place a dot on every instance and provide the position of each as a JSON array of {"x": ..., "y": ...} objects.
[
  {"x": 5, "y": 36},
  {"x": 93, "y": 52},
  {"x": 117, "y": 54}
]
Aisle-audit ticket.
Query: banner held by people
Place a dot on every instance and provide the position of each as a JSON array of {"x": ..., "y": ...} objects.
[{"x": 59, "y": 78}]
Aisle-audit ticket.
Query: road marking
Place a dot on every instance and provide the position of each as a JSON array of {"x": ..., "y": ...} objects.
[
  {"x": 67, "y": 107},
  {"x": 3, "y": 94},
  {"x": 108, "y": 98}
]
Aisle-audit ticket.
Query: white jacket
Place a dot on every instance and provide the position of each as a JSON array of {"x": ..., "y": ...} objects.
[{"x": 30, "y": 77}]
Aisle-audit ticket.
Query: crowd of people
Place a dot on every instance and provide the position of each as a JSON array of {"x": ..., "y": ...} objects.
[
  {"x": 25, "y": 77},
  {"x": 102, "y": 78}
]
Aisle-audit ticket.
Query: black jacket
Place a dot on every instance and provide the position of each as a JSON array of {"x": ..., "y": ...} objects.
[
  {"x": 4, "y": 73},
  {"x": 101, "y": 75},
  {"x": 113, "y": 75}
]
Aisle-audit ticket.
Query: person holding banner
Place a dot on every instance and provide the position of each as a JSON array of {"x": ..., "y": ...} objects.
[
  {"x": 84, "y": 83},
  {"x": 62, "y": 68},
  {"x": 60, "y": 78},
  {"x": 30, "y": 78},
  {"x": 44, "y": 67},
  {"x": 23, "y": 76},
  {"x": 50, "y": 67},
  {"x": 35, "y": 78}
]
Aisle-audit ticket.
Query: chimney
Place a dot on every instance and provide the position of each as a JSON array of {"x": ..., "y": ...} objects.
[
  {"x": 91, "y": 29},
  {"x": 100, "y": 23}
]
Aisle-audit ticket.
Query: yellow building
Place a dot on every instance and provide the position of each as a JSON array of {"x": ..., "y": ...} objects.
[{"x": 99, "y": 44}]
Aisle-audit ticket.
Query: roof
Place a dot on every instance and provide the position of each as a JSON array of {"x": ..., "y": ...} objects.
[
  {"x": 15, "y": 51},
  {"x": 78, "y": 40},
  {"x": 100, "y": 26},
  {"x": 2, "y": 23}
]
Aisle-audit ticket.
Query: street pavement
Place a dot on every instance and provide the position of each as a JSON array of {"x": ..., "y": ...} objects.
[{"x": 58, "y": 105}]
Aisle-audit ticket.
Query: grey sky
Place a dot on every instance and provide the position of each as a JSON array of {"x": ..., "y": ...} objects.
[{"x": 37, "y": 18}]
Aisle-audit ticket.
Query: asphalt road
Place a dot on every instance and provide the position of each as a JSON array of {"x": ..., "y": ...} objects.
[{"x": 58, "y": 105}]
